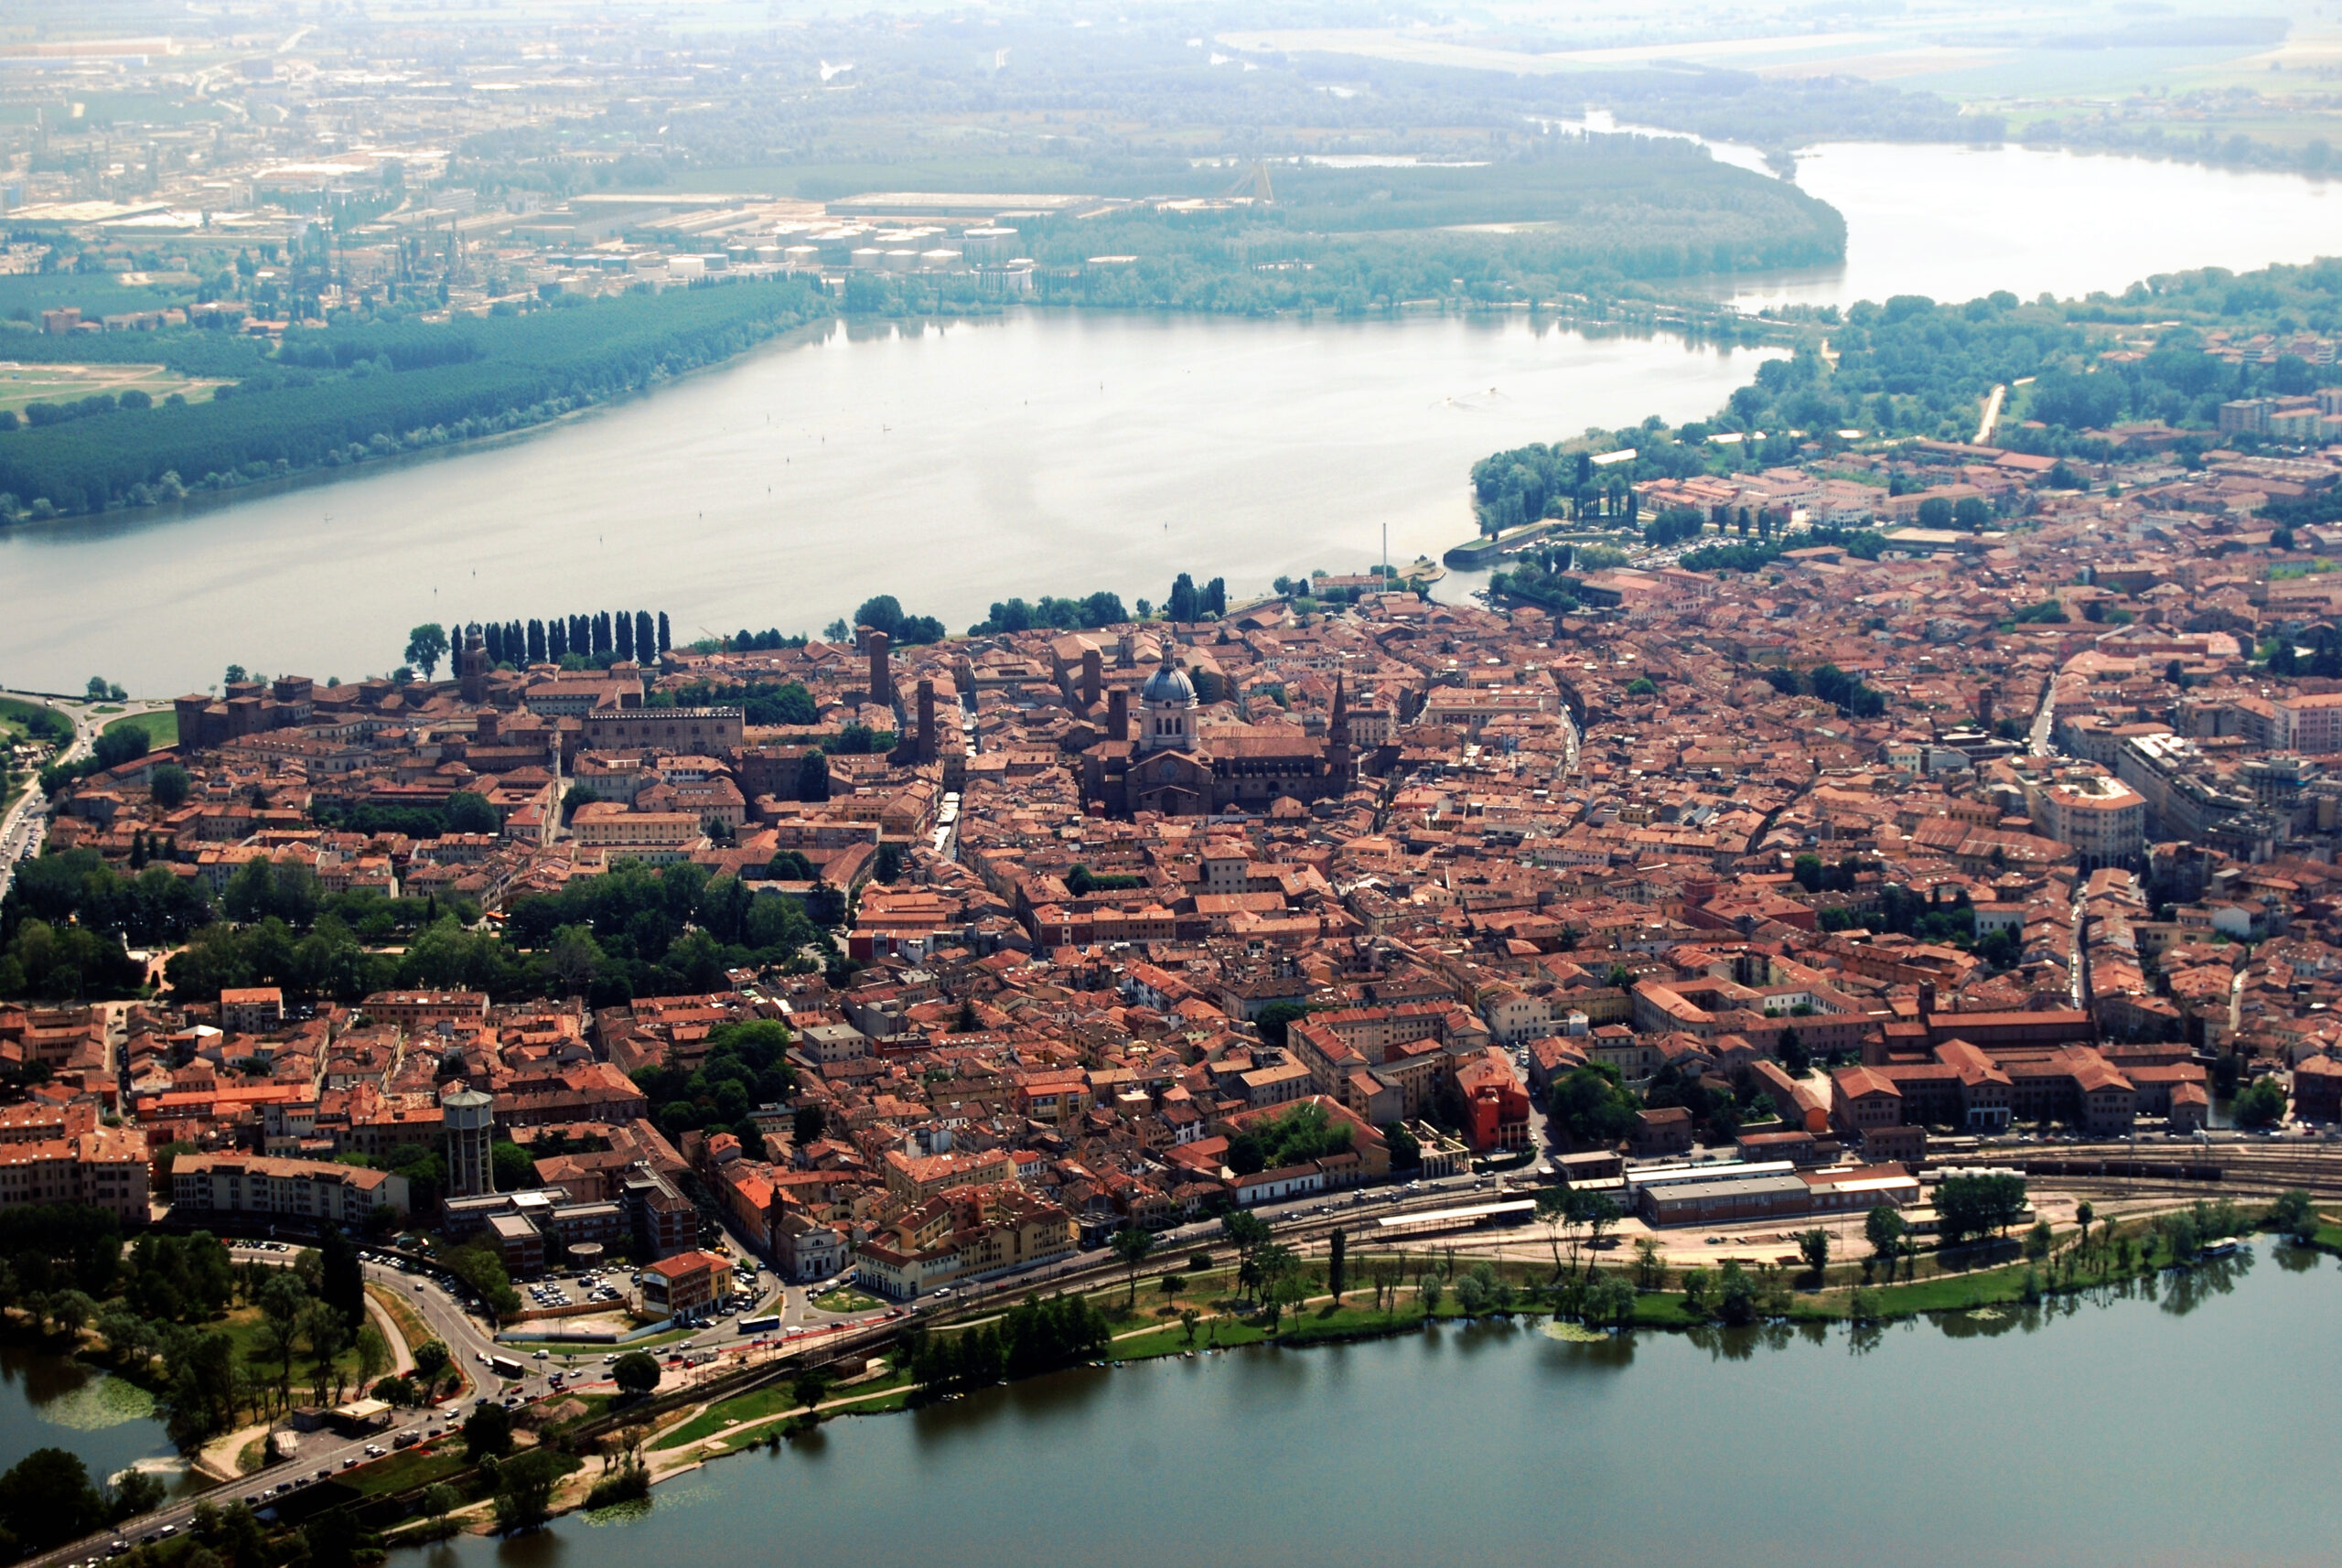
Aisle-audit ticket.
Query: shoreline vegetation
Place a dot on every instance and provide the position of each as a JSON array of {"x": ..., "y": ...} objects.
[
  {"x": 1603, "y": 226},
  {"x": 1277, "y": 1299},
  {"x": 606, "y": 1453}
]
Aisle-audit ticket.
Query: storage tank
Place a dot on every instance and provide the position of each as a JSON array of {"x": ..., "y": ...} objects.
[
  {"x": 988, "y": 244},
  {"x": 868, "y": 258},
  {"x": 901, "y": 261},
  {"x": 942, "y": 259}
]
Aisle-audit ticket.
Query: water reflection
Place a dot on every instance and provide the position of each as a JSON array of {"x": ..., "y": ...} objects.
[
  {"x": 50, "y": 1400},
  {"x": 2296, "y": 1259},
  {"x": 1369, "y": 1451},
  {"x": 2187, "y": 1289}
]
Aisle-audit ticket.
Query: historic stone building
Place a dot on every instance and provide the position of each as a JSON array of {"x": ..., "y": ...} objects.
[{"x": 1179, "y": 770}]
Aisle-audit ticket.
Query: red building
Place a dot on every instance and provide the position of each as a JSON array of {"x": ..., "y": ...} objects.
[{"x": 1495, "y": 1106}]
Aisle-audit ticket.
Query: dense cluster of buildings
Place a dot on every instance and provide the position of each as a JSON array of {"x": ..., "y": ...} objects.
[{"x": 1178, "y": 918}]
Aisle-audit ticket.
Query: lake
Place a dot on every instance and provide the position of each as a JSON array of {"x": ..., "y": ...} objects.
[
  {"x": 2181, "y": 1428},
  {"x": 1956, "y": 223},
  {"x": 55, "y": 1401},
  {"x": 955, "y": 464},
  {"x": 950, "y": 464}
]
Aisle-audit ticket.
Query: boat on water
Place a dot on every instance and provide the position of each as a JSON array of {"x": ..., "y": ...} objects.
[{"x": 2226, "y": 1248}]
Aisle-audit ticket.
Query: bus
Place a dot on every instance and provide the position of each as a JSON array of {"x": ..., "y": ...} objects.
[
  {"x": 768, "y": 1324},
  {"x": 506, "y": 1367}
]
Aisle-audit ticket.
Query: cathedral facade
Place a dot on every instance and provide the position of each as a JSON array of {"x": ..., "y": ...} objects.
[{"x": 1175, "y": 769}]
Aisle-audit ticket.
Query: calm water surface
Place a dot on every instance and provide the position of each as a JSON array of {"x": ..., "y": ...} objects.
[
  {"x": 950, "y": 465},
  {"x": 1957, "y": 222},
  {"x": 2185, "y": 1428},
  {"x": 959, "y": 465},
  {"x": 54, "y": 1402}
]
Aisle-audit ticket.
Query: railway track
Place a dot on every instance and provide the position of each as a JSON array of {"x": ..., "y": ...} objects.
[{"x": 2240, "y": 1169}]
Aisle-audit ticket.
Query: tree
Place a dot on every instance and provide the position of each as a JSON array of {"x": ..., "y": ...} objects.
[
  {"x": 1813, "y": 1246},
  {"x": 282, "y": 1300},
  {"x": 1970, "y": 1206},
  {"x": 1735, "y": 1293},
  {"x": 2084, "y": 1212},
  {"x": 524, "y": 1487},
  {"x": 425, "y": 646},
  {"x": 1883, "y": 1228},
  {"x": 1246, "y": 1233},
  {"x": 514, "y": 1169},
  {"x": 1607, "y": 1302},
  {"x": 1277, "y": 1267},
  {"x": 1597, "y": 1211},
  {"x": 468, "y": 812},
  {"x": 636, "y": 1372},
  {"x": 2292, "y": 1214},
  {"x": 2261, "y": 1103},
  {"x": 814, "y": 775},
  {"x": 1132, "y": 1246},
  {"x": 487, "y": 1432},
  {"x": 373, "y": 1354},
  {"x": 169, "y": 785},
  {"x": 1337, "y": 1260},
  {"x": 341, "y": 1283},
  {"x": 1592, "y": 1105},
  {"x": 45, "y": 1500},
  {"x": 430, "y": 1361}
]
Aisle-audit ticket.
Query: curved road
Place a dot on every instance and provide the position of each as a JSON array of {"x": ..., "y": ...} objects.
[
  {"x": 26, "y": 823},
  {"x": 464, "y": 1334}
]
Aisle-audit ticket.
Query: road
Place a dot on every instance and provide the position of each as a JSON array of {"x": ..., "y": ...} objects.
[
  {"x": 1992, "y": 415},
  {"x": 472, "y": 1341},
  {"x": 2039, "y": 743},
  {"x": 463, "y": 1335},
  {"x": 26, "y": 823}
]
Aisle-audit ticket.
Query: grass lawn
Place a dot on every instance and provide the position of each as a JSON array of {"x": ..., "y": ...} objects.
[
  {"x": 416, "y": 1333},
  {"x": 15, "y": 714},
  {"x": 846, "y": 1300},
  {"x": 881, "y": 1396},
  {"x": 596, "y": 1350},
  {"x": 162, "y": 728},
  {"x": 741, "y": 1408},
  {"x": 247, "y": 1330},
  {"x": 408, "y": 1467}
]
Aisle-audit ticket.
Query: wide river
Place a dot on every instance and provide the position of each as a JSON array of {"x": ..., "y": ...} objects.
[
  {"x": 2183, "y": 1430},
  {"x": 1041, "y": 453}
]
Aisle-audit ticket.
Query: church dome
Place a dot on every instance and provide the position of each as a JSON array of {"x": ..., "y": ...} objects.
[{"x": 1168, "y": 688}]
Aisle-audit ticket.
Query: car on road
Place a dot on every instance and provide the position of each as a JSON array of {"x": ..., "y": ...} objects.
[{"x": 375, "y": 1451}]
